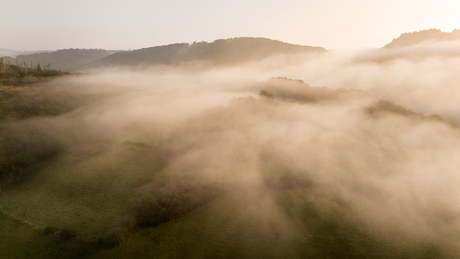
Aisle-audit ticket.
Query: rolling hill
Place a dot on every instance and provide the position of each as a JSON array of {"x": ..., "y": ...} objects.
[
  {"x": 231, "y": 181},
  {"x": 209, "y": 164},
  {"x": 9, "y": 53},
  {"x": 13, "y": 53},
  {"x": 224, "y": 52},
  {"x": 417, "y": 37},
  {"x": 63, "y": 60}
]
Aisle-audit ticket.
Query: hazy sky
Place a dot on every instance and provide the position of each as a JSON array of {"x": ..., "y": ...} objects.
[{"x": 115, "y": 24}]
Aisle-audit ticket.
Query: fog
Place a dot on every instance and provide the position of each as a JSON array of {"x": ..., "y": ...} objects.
[
  {"x": 390, "y": 171},
  {"x": 423, "y": 78}
]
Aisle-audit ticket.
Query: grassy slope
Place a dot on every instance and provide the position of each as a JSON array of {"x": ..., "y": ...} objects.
[
  {"x": 226, "y": 229},
  {"x": 20, "y": 241},
  {"x": 237, "y": 225},
  {"x": 70, "y": 195},
  {"x": 74, "y": 196}
]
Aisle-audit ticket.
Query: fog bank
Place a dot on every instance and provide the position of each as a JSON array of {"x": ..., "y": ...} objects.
[{"x": 387, "y": 169}]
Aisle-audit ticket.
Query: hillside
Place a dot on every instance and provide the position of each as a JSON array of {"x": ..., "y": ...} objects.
[
  {"x": 63, "y": 60},
  {"x": 9, "y": 53},
  {"x": 272, "y": 174},
  {"x": 224, "y": 52},
  {"x": 13, "y": 53},
  {"x": 417, "y": 37}
]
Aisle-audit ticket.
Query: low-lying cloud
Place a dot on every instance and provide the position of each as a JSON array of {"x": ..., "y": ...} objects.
[{"x": 388, "y": 170}]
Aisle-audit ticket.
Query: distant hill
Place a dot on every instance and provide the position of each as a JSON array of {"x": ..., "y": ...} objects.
[
  {"x": 9, "y": 53},
  {"x": 64, "y": 60},
  {"x": 218, "y": 53},
  {"x": 13, "y": 53},
  {"x": 225, "y": 52},
  {"x": 414, "y": 38}
]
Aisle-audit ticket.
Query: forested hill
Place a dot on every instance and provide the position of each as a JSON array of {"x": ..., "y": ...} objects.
[
  {"x": 63, "y": 60},
  {"x": 224, "y": 52},
  {"x": 417, "y": 37}
]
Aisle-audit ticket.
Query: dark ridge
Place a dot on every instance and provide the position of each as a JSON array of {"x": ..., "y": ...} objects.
[
  {"x": 64, "y": 60},
  {"x": 381, "y": 107},
  {"x": 218, "y": 53},
  {"x": 298, "y": 91},
  {"x": 412, "y": 38},
  {"x": 285, "y": 89}
]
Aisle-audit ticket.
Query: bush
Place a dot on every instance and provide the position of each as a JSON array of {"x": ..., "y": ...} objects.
[
  {"x": 23, "y": 151},
  {"x": 173, "y": 200},
  {"x": 50, "y": 230},
  {"x": 266, "y": 94},
  {"x": 67, "y": 234},
  {"x": 112, "y": 240}
]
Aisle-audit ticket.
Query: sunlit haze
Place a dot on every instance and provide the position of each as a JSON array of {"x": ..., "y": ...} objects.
[
  {"x": 236, "y": 129},
  {"x": 332, "y": 24}
]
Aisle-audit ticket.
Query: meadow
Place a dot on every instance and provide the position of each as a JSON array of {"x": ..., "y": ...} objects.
[{"x": 234, "y": 162}]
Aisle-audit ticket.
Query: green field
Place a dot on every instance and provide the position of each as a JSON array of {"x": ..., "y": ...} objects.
[
  {"x": 21, "y": 241},
  {"x": 80, "y": 182},
  {"x": 235, "y": 226}
]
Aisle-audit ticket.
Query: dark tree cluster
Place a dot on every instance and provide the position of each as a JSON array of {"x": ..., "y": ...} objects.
[{"x": 19, "y": 74}]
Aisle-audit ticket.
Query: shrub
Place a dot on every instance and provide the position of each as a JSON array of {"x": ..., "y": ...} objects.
[
  {"x": 173, "y": 200},
  {"x": 109, "y": 241},
  {"x": 266, "y": 94},
  {"x": 23, "y": 151},
  {"x": 67, "y": 234},
  {"x": 50, "y": 230}
]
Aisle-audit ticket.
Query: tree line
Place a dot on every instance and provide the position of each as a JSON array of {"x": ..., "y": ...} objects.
[{"x": 22, "y": 73}]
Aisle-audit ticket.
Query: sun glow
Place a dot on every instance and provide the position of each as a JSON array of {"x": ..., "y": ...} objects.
[{"x": 449, "y": 15}]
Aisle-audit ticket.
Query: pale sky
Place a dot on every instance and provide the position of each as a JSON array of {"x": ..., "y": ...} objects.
[{"x": 134, "y": 24}]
